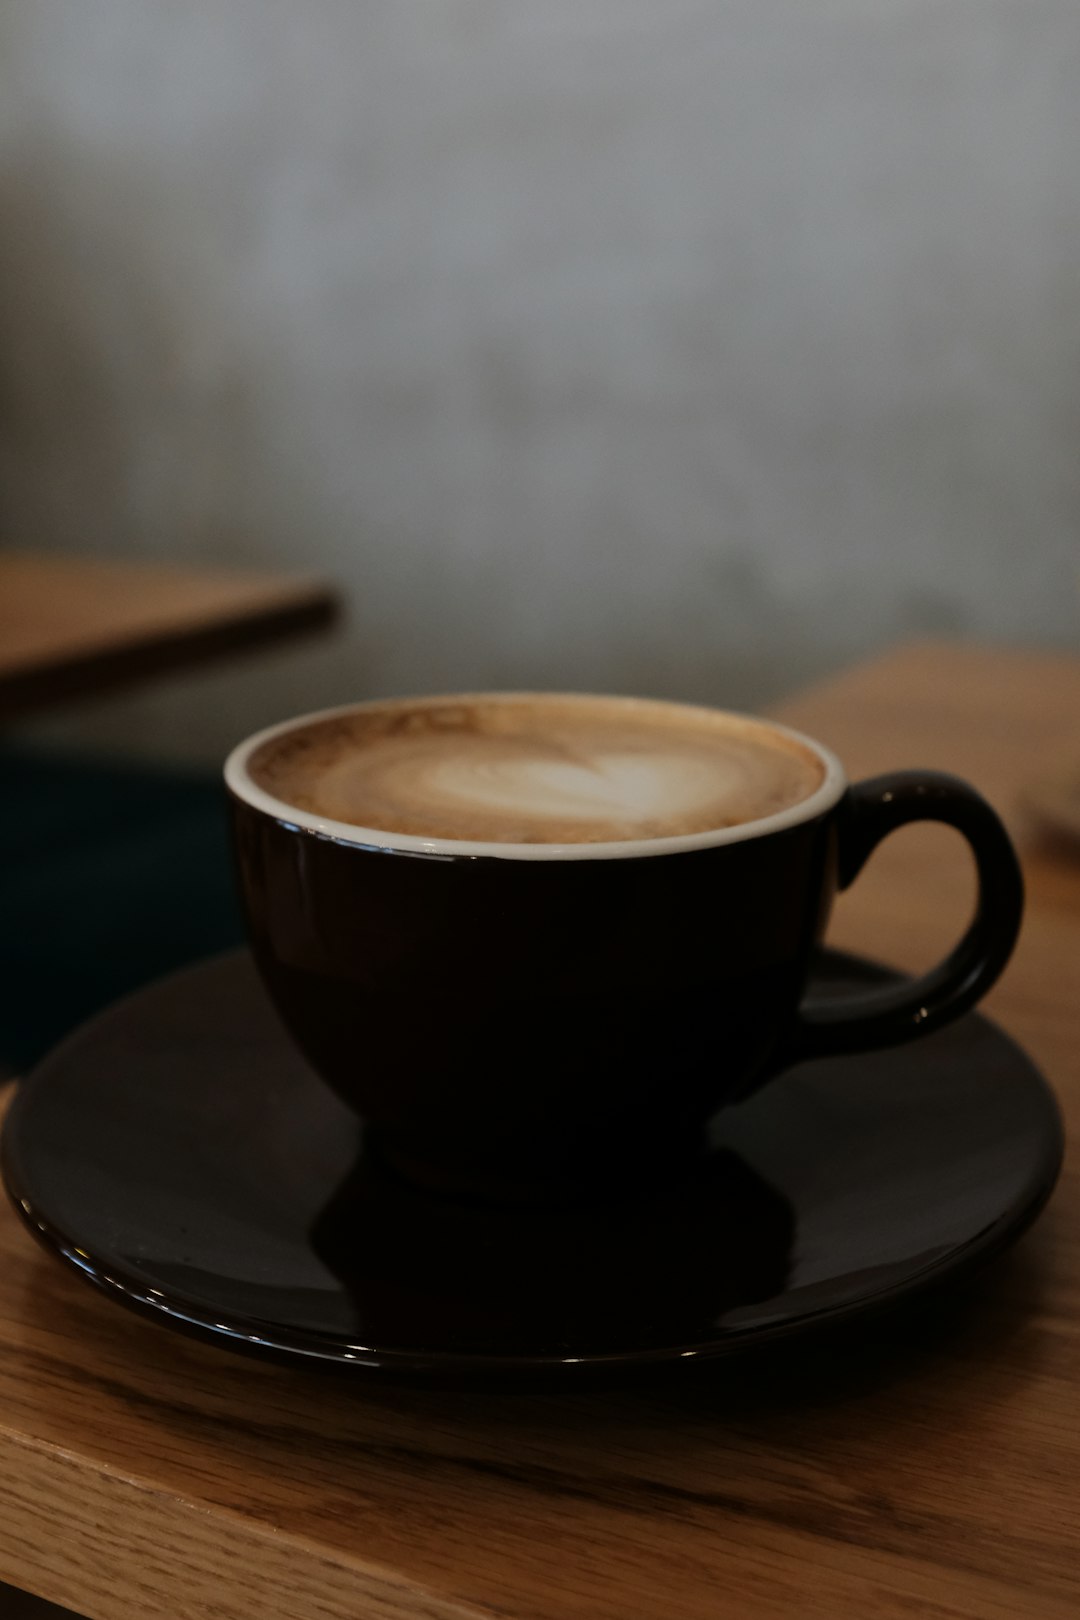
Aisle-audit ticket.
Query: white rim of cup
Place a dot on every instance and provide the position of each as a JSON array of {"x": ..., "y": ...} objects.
[{"x": 293, "y": 819}]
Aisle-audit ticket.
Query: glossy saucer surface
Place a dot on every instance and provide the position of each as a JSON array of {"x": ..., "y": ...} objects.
[{"x": 180, "y": 1154}]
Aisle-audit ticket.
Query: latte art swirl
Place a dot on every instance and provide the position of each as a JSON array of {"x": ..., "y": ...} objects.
[
  {"x": 603, "y": 789},
  {"x": 536, "y": 769}
]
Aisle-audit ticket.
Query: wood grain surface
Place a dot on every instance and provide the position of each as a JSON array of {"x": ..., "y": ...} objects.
[
  {"x": 925, "y": 1465},
  {"x": 73, "y": 626}
]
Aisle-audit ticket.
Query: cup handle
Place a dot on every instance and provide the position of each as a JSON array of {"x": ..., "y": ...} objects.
[{"x": 906, "y": 1011}]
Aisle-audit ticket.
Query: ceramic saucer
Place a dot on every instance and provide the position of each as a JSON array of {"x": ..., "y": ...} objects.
[{"x": 181, "y": 1156}]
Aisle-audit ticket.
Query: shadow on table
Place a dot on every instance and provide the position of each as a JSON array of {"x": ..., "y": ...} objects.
[{"x": 16, "y": 1605}]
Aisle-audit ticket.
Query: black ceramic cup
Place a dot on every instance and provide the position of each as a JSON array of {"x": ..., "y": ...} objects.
[{"x": 529, "y": 1020}]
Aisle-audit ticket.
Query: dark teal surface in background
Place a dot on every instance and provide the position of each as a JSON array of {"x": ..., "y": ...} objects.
[{"x": 110, "y": 875}]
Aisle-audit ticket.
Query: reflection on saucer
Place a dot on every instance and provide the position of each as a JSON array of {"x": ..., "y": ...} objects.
[{"x": 559, "y": 1279}]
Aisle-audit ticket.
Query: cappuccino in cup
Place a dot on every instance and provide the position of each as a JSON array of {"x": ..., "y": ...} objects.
[{"x": 537, "y": 769}]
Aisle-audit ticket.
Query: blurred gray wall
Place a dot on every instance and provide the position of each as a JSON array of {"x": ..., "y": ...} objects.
[{"x": 686, "y": 346}]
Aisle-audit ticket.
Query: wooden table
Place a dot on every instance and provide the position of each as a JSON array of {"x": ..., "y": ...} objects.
[
  {"x": 75, "y": 627},
  {"x": 923, "y": 1468}
]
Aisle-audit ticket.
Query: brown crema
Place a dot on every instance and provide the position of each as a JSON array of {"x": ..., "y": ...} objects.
[{"x": 536, "y": 769}]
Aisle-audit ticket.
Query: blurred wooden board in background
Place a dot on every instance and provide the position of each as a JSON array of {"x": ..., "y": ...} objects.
[{"x": 74, "y": 627}]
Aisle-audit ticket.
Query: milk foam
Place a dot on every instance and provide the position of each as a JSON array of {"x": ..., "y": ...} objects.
[
  {"x": 604, "y": 788},
  {"x": 536, "y": 769}
]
